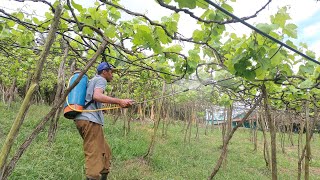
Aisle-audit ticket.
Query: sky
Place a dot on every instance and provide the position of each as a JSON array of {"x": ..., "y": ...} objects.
[{"x": 304, "y": 13}]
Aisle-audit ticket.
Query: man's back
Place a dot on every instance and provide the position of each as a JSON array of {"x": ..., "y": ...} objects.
[{"x": 97, "y": 116}]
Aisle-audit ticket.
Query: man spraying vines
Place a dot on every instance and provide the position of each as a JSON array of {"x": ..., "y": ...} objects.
[{"x": 89, "y": 124}]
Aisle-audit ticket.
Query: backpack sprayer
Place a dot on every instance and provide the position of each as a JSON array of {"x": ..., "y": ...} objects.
[{"x": 75, "y": 101}]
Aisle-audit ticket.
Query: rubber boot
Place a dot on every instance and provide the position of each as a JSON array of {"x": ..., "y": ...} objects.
[
  {"x": 90, "y": 179},
  {"x": 104, "y": 176}
]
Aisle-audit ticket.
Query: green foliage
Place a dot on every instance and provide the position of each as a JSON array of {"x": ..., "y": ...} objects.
[
  {"x": 227, "y": 7},
  {"x": 144, "y": 37},
  {"x": 77, "y": 6},
  {"x": 308, "y": 68},
  {"x": 306, "y": 84},
  {"x": 267, "y": 28},
  {"x": 193, "y": 60},
  {"x": 281, "y": 17},
  {"x": 171, "y": 23},
  {"x": 225, "y": 100},
  {"x": 187, "y": 3},
  {"x": 290, "y": 30},
  {"x": 161, "y": 35}
]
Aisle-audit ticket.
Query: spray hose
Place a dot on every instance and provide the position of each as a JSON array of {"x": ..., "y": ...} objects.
[{"x": 91, "y": 110}]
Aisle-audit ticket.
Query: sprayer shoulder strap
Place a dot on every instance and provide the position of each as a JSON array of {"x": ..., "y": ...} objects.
[
  {"x": 91, "y": 101},
  {"x": 94, "y": 81},
  {"x": 86, "y": 105}
]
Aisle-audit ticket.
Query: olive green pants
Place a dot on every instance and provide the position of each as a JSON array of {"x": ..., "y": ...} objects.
[{"x": 96, "y": 149}]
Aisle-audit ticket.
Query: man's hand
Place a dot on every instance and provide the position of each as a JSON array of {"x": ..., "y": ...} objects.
[
  {"x": 124, "y": 103},
  {"x": 100, "y": 97}
]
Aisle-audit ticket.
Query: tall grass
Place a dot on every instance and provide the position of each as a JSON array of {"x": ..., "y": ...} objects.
[{"x": 172, "y": 160}]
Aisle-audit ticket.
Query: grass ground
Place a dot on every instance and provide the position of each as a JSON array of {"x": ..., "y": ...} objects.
[{"x": 172, "y": 160}]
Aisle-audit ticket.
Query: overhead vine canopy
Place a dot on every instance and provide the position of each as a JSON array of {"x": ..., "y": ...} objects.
[
  {"x": 264, "y": 66},
  {"x": 235, "y": 65}
]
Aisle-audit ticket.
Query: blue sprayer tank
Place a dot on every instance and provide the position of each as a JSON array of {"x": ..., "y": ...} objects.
[{"x": 76, "y": 98}]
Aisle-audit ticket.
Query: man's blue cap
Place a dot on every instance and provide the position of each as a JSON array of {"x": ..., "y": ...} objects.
[{"x": 104, "y": 66}]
